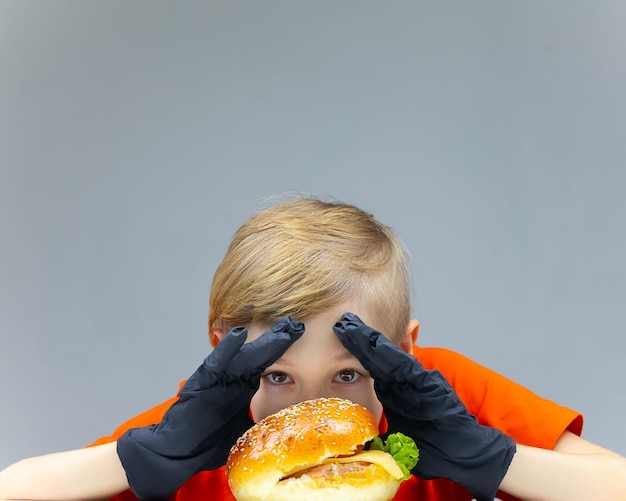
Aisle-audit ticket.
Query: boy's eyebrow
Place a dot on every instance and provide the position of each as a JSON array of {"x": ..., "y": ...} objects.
[{"x": 341, "y": 357}]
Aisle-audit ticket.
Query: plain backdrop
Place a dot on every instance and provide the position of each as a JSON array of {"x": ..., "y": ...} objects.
[{"x": 135, "y": 137}]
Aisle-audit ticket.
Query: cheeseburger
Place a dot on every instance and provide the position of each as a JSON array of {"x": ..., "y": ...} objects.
[{"x": 316, "y": 450}]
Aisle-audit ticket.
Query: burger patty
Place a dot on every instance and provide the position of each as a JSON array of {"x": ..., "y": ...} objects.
[{"x": 331, "y": 469}]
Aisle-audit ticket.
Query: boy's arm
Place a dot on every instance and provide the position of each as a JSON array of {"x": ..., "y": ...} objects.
[
  {"x": 454, "y": 445},
  {"x": 575, "y": 470},
  {"x": 195, "y": 434},
  {"x": 82, "y": 474}
]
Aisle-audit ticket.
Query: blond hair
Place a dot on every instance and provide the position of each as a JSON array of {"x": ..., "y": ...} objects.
[{"x": 303, "y": 256}]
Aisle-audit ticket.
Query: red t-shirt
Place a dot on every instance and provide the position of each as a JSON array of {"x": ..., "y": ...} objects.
[{"x": 493, "y": 399}]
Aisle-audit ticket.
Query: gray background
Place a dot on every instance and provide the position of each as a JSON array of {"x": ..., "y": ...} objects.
[{"x": 136, "y": 136}]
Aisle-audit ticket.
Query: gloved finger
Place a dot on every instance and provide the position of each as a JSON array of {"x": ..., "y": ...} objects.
[
  {"x": 425, "y": 393},
  {"x": 383, "y": 359},
  {"x": 226, "y": 349},
  {"x": 254, "y": 357}
]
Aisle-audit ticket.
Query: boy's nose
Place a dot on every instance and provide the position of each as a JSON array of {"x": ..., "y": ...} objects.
[{"x": 311, "y": 393}]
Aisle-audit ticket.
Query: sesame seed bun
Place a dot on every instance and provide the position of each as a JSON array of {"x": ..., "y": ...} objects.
[{"x": 287, "y": 456}]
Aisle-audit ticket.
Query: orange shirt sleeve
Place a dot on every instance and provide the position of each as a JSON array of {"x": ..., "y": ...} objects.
[
  {"x": 501, "y": 403},
  {"x": 151, "y": 416}
]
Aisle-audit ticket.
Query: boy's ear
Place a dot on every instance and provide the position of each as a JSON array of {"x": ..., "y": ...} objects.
[
  {"x": 410, "y": 336},
  {"x": 215, "y": 335}
]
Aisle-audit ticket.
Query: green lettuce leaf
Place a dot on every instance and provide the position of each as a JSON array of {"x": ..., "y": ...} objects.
[{"x": 402, "y": 448}]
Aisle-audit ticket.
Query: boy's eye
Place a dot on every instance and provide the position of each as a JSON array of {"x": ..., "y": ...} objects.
[
  {"x": 278, "y": 378},
  {"x": 347, "y": 376}
]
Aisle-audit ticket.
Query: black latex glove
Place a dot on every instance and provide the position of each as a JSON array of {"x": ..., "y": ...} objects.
[
  {"x": 421, "y": 404},
  {"x": 198, "y": 431}
]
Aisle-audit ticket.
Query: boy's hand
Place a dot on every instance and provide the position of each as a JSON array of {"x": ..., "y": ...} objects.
[
  {"x": 422, "y": 404},
  {"x": 198, "y": 431}
]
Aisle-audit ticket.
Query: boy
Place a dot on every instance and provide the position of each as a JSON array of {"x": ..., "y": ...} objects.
[{"x": 344, "y": 277}]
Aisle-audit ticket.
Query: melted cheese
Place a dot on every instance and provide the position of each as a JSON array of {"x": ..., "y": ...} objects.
[{"x": 379, "y": 458}]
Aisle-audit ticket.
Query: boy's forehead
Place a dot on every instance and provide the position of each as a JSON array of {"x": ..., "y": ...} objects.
[{"x": 326, "y": 319}]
